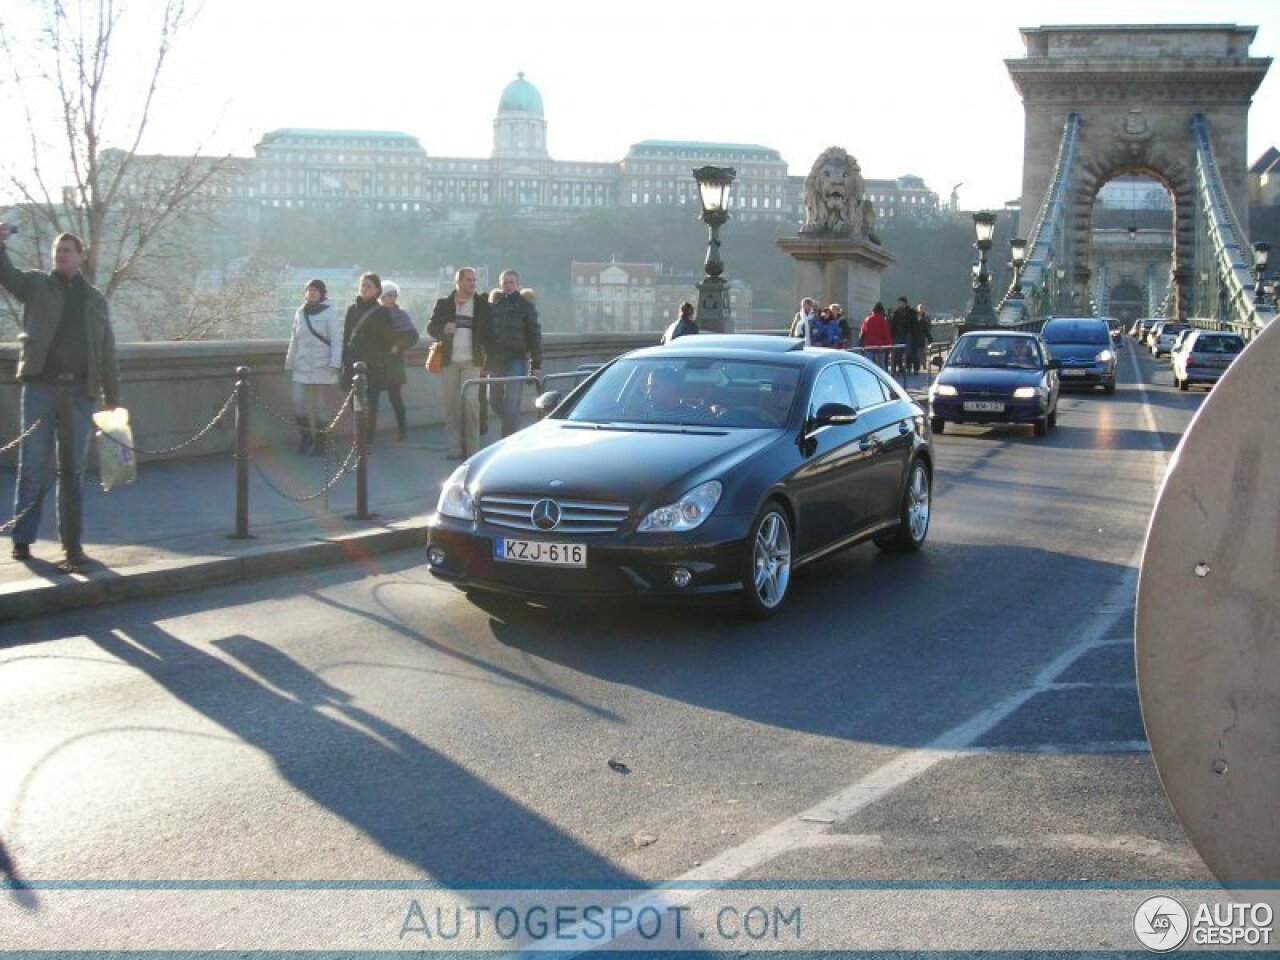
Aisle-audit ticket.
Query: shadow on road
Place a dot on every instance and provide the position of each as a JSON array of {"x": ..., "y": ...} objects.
[{"x": 380, "y": 779}]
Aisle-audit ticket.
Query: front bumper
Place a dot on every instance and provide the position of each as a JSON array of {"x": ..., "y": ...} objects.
[
  {"x": 952, "y": 410},
  {"x": 1088, "y": 375},
  {"x": 618, "y": 565}
]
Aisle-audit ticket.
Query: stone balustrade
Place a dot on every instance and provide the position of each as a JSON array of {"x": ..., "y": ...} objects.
[{"x": 174, "y": 389}]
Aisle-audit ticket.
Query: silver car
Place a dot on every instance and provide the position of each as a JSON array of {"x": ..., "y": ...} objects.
[
  {"x": 1162, "y": 338},
  {"x": 1204, "y": 357}
]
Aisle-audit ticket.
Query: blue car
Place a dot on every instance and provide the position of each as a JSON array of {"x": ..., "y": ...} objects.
[
  {"x": 1084, "y": 347},
  {"x": 993, "y": 377}
]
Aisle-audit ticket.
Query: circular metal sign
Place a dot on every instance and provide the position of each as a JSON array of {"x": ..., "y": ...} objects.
[{"x": 1208, "y": 622}]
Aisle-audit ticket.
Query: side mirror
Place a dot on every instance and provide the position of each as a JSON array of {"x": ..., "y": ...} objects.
[
  {"x": 833, "y": 413},
  {"x": 547, "y": 402}
]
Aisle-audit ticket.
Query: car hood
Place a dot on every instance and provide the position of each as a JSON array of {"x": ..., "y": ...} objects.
[
  {"x": 612, "y": 462},
  {"x": 998, "y": 379},
  {"x": 1078, "y": 352}
]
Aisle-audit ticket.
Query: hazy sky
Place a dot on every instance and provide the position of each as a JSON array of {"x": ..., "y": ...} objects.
[{"x": 917, "y": 87}]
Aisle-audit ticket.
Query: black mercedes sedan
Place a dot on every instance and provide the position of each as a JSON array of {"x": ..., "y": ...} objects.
[{"x": 714, "y": 465}]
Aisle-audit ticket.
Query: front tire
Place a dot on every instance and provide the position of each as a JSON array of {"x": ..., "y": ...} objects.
[
  {"x": 1041, "y": 427},
  {"x": 939, "y": 425},
  {"x": 913, "y": 519},
  {"x": 767, "y": 563}
]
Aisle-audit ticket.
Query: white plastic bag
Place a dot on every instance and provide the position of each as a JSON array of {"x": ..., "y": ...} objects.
[{"x": 116, "y": 464}]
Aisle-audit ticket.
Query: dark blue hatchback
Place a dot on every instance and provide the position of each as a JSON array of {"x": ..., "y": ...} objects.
[{"x": 996, "y": 376}]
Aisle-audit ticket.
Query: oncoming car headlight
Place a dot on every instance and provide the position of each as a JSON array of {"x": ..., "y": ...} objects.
[
  {"x": 687, "y": 513},
  {"x": 1105, "y": 356},
  {"x": 1026, "y": 393},
  {"x": 943, "y": 390},
  {"x": 455, "y": 501}
]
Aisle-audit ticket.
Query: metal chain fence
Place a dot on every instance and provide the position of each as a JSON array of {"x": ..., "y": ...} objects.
[
  {"x": 12, "y": 522},
  {"x": 217, "y": 418},
  {"x": 22, "y": 436},
  {"x": 347, "y": 466}
]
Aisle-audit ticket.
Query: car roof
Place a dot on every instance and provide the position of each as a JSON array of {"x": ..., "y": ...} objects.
[
  {"x": 995, "y": 332},
  {"x": 738, "y": 346},
  {"x": 1075, "y": 320}
]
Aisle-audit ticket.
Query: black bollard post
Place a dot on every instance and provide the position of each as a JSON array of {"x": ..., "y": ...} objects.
[
  {"x": 242, "y": 455},
  {"x": 360, "y": 382}
]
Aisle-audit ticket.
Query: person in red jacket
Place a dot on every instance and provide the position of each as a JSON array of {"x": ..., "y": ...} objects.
[{"x": 876, "y": 337}]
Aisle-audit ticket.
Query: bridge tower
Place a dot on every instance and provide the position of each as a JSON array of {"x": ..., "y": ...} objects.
[{"x": 1134, "y": 90}]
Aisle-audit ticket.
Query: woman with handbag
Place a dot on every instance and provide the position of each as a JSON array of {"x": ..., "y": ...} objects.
[
  {"x": 314, "y": 360},
  {"x": 460, "y": 323}
]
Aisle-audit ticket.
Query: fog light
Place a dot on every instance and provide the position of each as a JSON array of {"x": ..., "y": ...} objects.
[
  {"x": 435, "y": 556},
  {"x": 681, "y": 577}
]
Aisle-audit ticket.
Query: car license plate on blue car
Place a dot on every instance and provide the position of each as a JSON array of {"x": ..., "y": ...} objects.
[
  {"x": 1074, "y": 373},
  {"x": 984, "y": 406},
  {"x": 540, "y": 552}
]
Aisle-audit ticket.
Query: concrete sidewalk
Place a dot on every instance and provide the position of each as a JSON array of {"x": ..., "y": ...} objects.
[{"x": 171, "y": 529}]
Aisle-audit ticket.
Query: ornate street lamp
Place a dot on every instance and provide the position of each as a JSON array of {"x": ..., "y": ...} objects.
[
  {"x": 714, "y": 315},
  {"x": 981, "y": 315},
  {"x": 1060, "y": 301},
  {"x": 1017, "y": 258},
  {"x": 1261, "y": 252}
]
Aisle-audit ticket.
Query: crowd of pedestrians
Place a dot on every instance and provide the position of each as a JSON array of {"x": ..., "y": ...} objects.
[{"x": 896, "y": 341}]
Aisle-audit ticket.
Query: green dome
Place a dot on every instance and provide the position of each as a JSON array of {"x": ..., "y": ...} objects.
[{"x": 521, "y": 96}]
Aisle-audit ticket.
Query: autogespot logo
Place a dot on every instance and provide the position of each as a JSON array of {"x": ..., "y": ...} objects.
[{"x": 1161, "y": 924}]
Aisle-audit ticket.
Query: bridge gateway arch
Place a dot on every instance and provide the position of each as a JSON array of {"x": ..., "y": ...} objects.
[{"x": 1170, "y": 102}]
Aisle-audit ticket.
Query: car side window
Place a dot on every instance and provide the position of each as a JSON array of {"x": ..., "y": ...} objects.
[
  {"x": 830, "y": 387},
  {"x": 866, "y": 386}
]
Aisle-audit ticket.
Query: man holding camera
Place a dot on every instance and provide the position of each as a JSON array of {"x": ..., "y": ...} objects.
[{"x": 68, "y": 360}]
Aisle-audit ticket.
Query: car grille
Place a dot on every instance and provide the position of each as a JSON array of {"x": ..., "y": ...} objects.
[{"x": 576, "y": 516}]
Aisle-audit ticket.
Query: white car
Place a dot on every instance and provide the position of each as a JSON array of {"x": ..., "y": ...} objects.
[
  {"x": 1204, "y": 357},
  {"x": 1162, "y": 339}
]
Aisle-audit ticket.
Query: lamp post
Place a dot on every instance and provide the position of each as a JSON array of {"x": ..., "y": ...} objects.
[
  {"x": 1060, "y": 301},
  {"x": 714, "y": 315},
  {"x": 981, "y": 314},
  {"x": 1261, "y": 252},
  {"x": 1017, "y": 259}
]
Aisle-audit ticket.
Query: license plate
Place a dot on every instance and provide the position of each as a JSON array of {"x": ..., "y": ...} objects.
[
  {"x": 1075, "y": 373},
  {"x": 984, "y": 406},
  {"x": 540, "y": 552}
]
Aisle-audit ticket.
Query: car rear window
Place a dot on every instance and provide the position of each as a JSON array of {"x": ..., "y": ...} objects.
[
  {"x": 1071, "y": 331},
  {"x": 1218, "y": 344}
]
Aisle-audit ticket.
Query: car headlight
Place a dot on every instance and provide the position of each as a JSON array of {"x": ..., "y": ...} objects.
[
  {"x": 455, "y": 500},
  {"x": 687, "y": 513},
  {"x": 1026, "y": 393},
  {"x": 942, "y": 390},
  {"x": 1105, "y": 356}
]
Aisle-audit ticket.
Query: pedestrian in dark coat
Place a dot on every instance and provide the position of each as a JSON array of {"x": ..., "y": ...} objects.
[
  {"x": 406, "y": 335},
  {"x": 367, "y": 338},
  {"x": 684, "y": 326}
]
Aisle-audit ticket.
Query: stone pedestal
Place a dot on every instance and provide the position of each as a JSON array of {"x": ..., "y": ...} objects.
[{"x": 838, "y": 269}]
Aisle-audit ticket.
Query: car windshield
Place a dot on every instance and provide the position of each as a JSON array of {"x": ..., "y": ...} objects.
[
  {"x": 993, "y": 350},
  {"x": 1088, "y": 333},
  {"x": 1230, "y": 345},
  {"x": 1172, "y": 330},
  {"x": 689, "y": 392}
]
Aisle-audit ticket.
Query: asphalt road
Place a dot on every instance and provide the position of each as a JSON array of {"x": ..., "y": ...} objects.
[{"x": 967, "y": 714}]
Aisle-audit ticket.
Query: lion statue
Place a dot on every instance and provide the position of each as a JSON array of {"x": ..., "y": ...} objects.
[{"x": 834, "y": 200}]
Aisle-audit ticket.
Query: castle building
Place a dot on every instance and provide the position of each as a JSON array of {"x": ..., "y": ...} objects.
[{"x": 391, "y": 171}]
